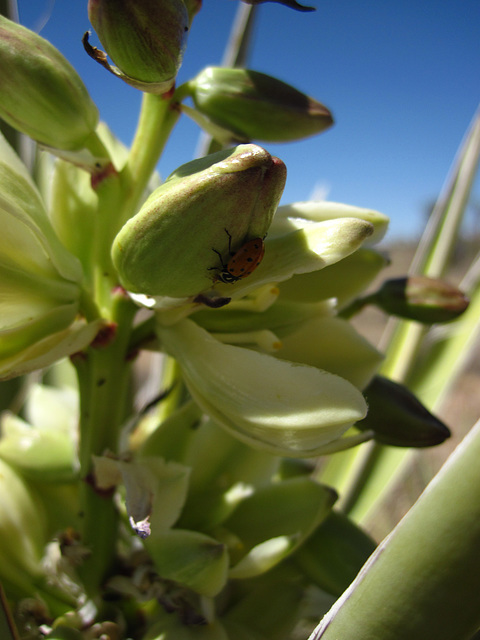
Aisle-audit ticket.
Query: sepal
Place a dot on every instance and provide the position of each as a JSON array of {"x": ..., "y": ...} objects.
[
  {"x": 40, "y": 281},
  {"x": 155, "y": 490}
]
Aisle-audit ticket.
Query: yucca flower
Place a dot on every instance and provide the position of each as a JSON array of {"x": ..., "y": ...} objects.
[{"x": 40, "y": 281}]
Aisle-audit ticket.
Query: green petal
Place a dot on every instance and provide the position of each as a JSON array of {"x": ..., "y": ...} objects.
[{"x": 31, "y": 325}]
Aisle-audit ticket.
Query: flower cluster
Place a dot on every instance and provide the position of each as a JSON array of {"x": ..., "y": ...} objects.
[{"x": 194, "y": 507}]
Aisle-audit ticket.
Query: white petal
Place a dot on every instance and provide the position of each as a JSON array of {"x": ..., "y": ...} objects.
[
  {"x": 311, "y": 248},
  {"x": 283, "y": 407},
  {"x": 334, "y": 345},
  {"x": 50, "y": 349},
  {"x": 286, "y": 216}
]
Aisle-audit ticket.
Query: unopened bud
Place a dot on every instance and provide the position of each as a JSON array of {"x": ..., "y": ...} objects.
[
  {"x": 145, "y": 39},
  {"x": 255, "y": 106},
  {"x": 398, "y": 418},
  {"x": 41, "y": 93},
  {"x": 207, "y": 207},
  {"x": 426, "y": 300}
]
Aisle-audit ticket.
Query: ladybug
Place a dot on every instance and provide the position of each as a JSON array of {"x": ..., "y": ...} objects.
[{"x": 242, "y": 262}]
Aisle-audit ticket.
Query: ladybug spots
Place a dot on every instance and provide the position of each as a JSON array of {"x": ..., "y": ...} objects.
[{"x": 242, "y": 262}]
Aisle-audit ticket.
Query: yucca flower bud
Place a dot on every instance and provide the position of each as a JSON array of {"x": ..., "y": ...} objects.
[
  {"x": 145, "y": 39},
  {"x": 255, "y": 106},
  {"x": 398, "y": 418},
  {"x": 41, "y": 93},
  {"x": 207, "y": 207},
  {"x": 426, "y": 300}
]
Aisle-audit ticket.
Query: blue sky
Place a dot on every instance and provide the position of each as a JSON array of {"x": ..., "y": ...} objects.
[{"x": 401, "y": 78}]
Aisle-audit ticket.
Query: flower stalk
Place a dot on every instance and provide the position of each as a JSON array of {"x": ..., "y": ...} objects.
[
  {"x": 185, "y": 491},
  {"x": 103, "y": 378}
]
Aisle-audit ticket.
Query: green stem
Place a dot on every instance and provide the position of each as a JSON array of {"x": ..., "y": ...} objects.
[
  {"x": 96, "y": 146},
  {"x": 356, "y": 306},
  {"x": 158, "y": 116},
  {"x": 143, "y": 334},
  {"x": 103, "y": 376},
  {"x": 107, "y": 224}
]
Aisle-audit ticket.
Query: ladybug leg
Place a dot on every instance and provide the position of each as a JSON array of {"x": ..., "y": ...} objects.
[
  {"x": 232, "y": 253},
  {"x": 221, "y": 261},
  {"x": 219, "y": 257}
]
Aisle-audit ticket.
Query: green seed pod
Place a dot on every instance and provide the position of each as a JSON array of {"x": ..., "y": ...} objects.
[
  {"x": 41, "y": 93},
  {"x": 255, "y": 106},
  {"x": 145, "y": 39},
  {"x": 206, "y": 206}
]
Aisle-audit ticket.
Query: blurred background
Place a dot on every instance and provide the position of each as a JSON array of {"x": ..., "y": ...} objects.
[{"x": 402, "y": 80}]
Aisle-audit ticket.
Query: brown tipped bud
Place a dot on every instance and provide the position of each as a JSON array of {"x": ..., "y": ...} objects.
[
  {"x": 175, "y": 244},
  {"x": 254, "y": 106},
  {"x": 398, "y": 418},
  {"x": 426, "y": 300}
]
